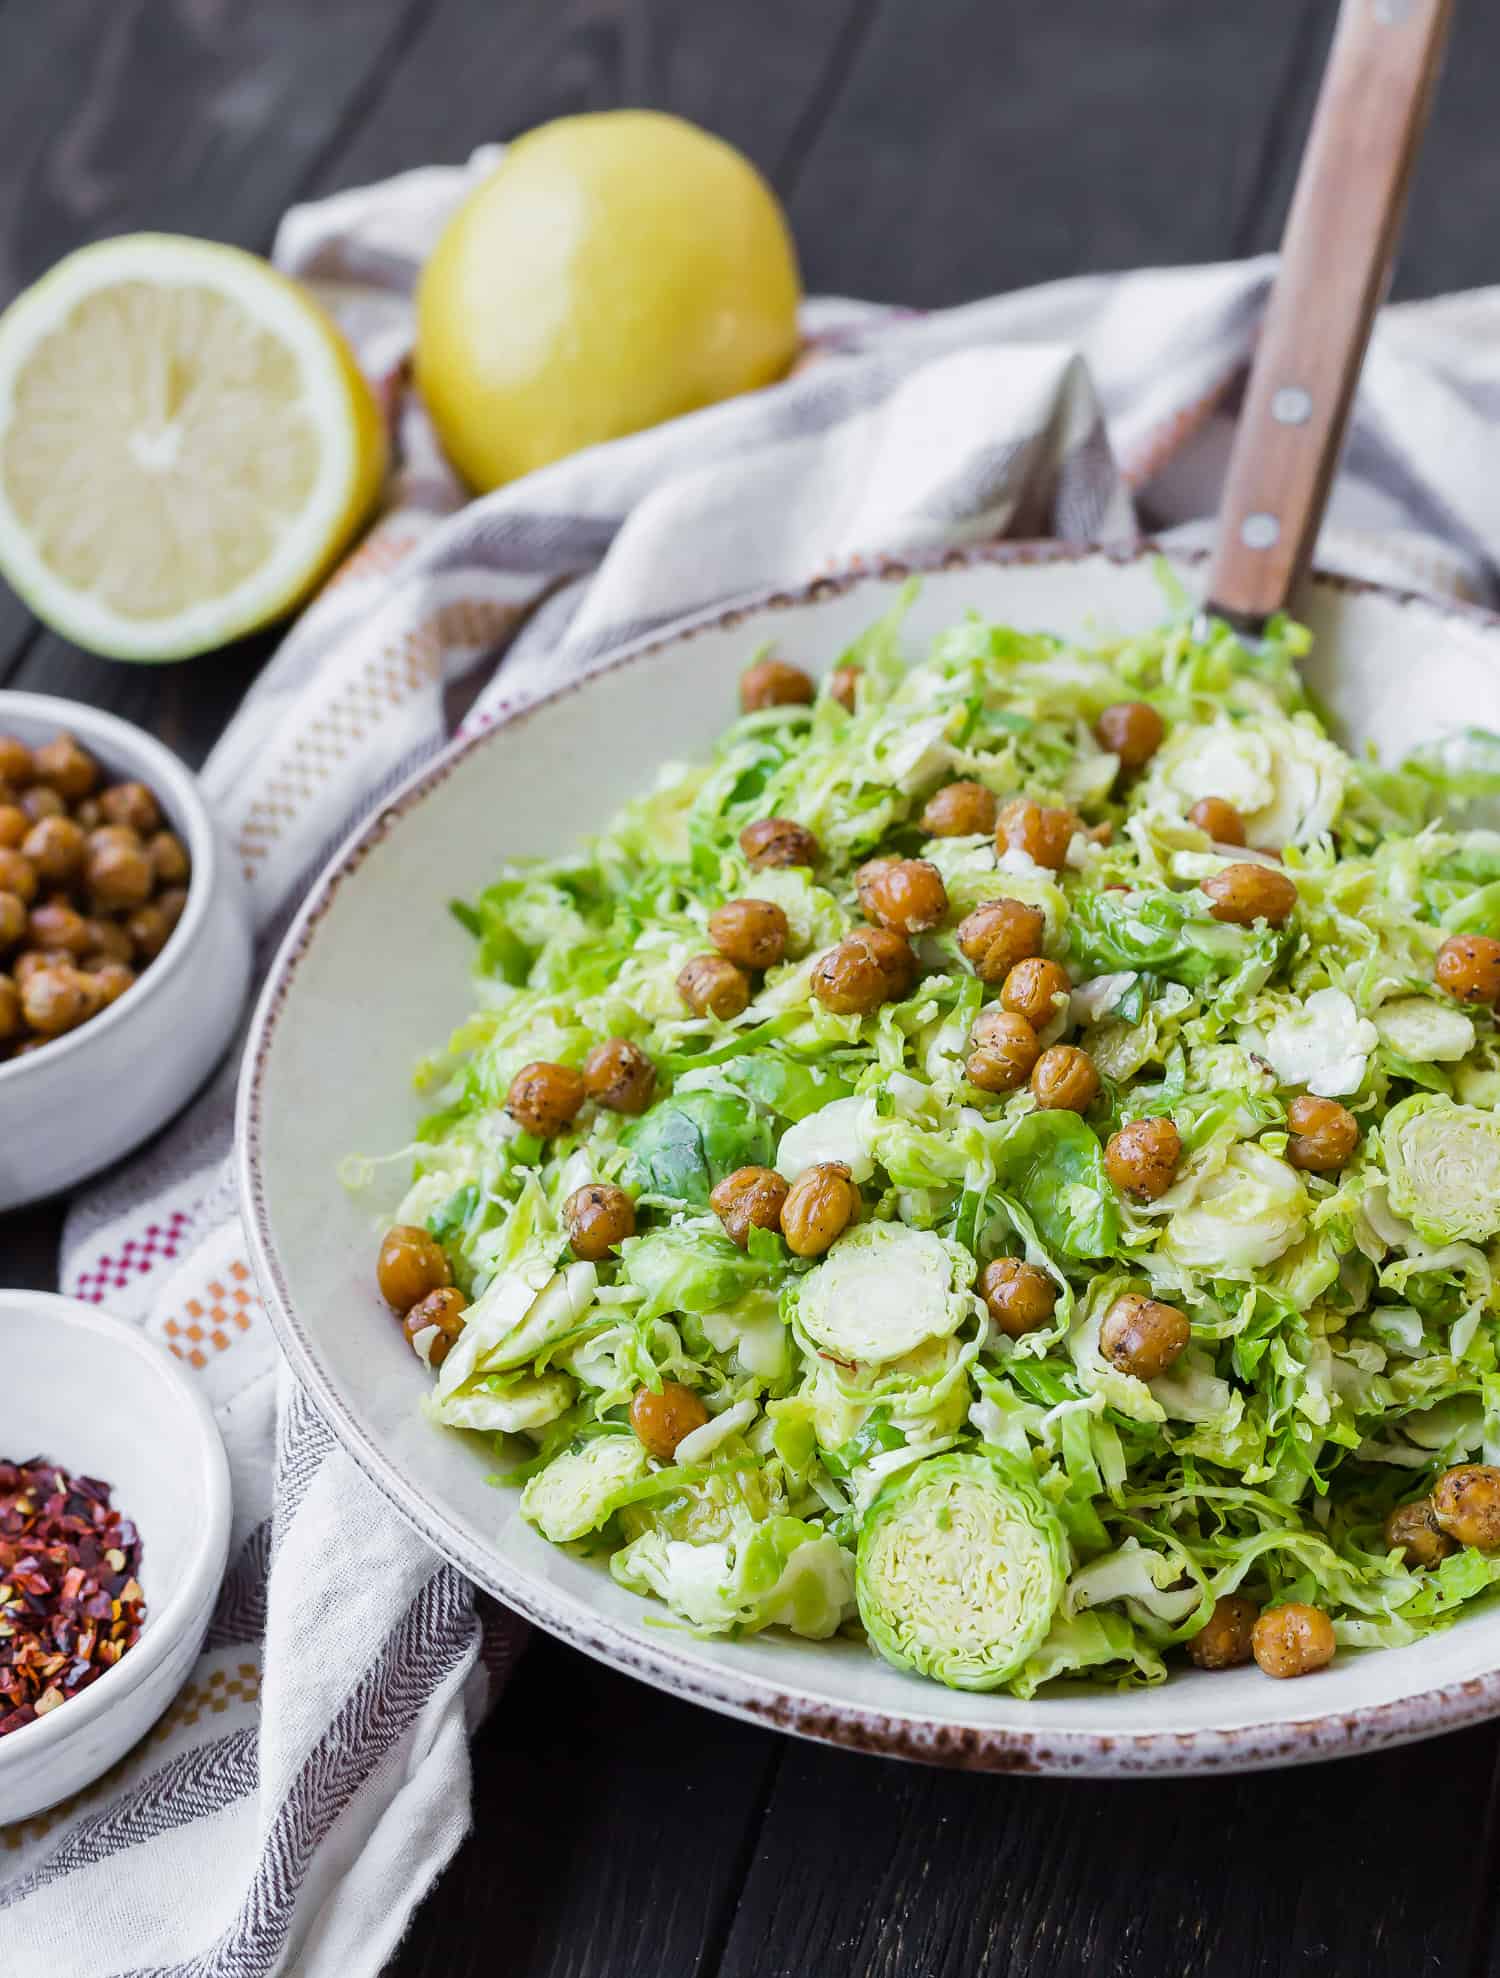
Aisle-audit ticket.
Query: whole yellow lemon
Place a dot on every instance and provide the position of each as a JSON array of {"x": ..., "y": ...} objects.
[{"x": 614, "y": 271}]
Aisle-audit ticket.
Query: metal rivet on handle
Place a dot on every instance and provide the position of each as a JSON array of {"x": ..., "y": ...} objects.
[
  {"x": 1259, "y": 531},
  {"x": 1291, "y": 406},
  {"x": 1391, "y": 13}
]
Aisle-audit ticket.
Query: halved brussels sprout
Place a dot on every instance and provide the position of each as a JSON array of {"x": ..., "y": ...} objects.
[
  {"x": 782, "y": 1573},
  {"x": 1242, "y": 1217},
  {"x": 1281, "y": 773},
  {"x": 1324, "y": 1044},
  {"x": 1442, "y": 1161},
  {"x": 882, "y": 1290},
  {"x": 1425, "y": 1031},
  {"x": 961, "y": 1566},
  {"x": 581, "y": 1489}
]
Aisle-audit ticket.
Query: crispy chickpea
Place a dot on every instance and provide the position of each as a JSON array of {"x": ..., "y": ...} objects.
[
  {"x": 14, "y": 824},
  {"x": 411, "y": 1263},
  {"x": 773, "y": 683},
  {"x": 12, "y": 921},
  {"x": 778, "y": 841},
  {"x": 1036, "y": 989},
  {"x": 441, "y": 1315},
  {"x": 618, "y": 1075},
  {"x": 1224, "y": 1640},
  {"x": 56, "y": 998},
  {"x": 169, "y": 859},
  {"x": 41, "y": 801},
  {"x": 662, "y": 1420},
  {"x": 1043, "y": 834},
  {"x": 1141, "y": 1336},
  {"x": 110, "y": 978},
  {"x": 998, "y": 934},
  {"x": 1018, "y": 1297},
  {"x": 1065, "y": 1079},
  {"x": 1141, "y": 1159},
  {"x": 871, "y": 966},
  {"x": 62, "y": 765},
  {"x": 750, "y": 1198},
  {"x": 132, "y": 804},
  {"x": 18, "y": 876},
  {"x": 171, "y": 902},
  {"x": 1293, "y": 1640},
  {"x": 118, "y": 872},
  {"x": 544, "y": 1098},
  {"x": 753, "y": 933},
  {"x": 88, "y": 814},
  {"x": 960, "y": 810},
  {"x": 28, "y": 963},
  {"x": 1219, "y": 818},
  {"x": 1003, "y": 1047},
  {"x": 712, "y": 985},
  {"x": 598, "y": 1217},
  {"x": 1245, "y": 893},
  {"x": 56, "y": 847},
  {"x": 58, "y": 928},
  {"x": 1468, "y": 967},
  {"x": 1324, "y": 1134},
  {"x": 10, "y": 1008},
  {"x": 1414, "y": 1532},
  {"x": 1466, "y": 1504},
  {"x": 15, "y": 761},
  {"x": 820, "y": 1205},
  {"x": 149, "y": 928},
  {"x": 1132, "y": 730},
  {"x": 109, "y": 939},
  {"x": 843, "y": 684},
  {"x": 907, "y": 894}
]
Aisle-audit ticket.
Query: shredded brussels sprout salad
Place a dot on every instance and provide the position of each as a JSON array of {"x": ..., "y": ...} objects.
[{"x": 1002, "y": 1160}]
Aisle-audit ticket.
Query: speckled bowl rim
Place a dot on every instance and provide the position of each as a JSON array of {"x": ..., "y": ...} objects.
[{"x": 912, "y": 1734}]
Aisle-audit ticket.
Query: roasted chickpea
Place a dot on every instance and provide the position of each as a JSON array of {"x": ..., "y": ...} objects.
[
  {"x": 998, "y": 934},
  {"x": 1065, "y": 1079},
  {"x": 149, "y": 928},
  {"x": 1245, "y": 893},
  {"x": 411, "y": 1263},
  {"x": 56, "y": 998},
  {"x": 62, "y": 765},
  {"x": 56, "y": 927},
  {"x": 662, "y": 1420},
  {"x": 843, "y": 684},
  {"x": 10, "y": 1008},
  {"x": 778, "y": 841},
  {"x": 618, "y": 1075},
  {"x": 1036, "y": 989},
  {"x": 772, "y": 683},
  {"x": 440, "y": 1316},
  {"x": 109, "y": 939},
  {"x": 169, "y": 859},
  {"x": 1018, "y": 1297},
  {"x": 1141, "y": 1336},
  {"x": 712, "y": 985},
  {"x": 171, "y": 901},
  {"x": 1293, "y": 1640},
  {"x": 871, "y": 966},
  {"x": 1414, "y": 1532},
  {"x": 56, "y": 847},
  {"x": 131, "y": 804},
  {"x": 1324, "y": 1134},
  {"x": 118, "y": 871},
  {"x": 1219, "y": 819},
  {"x": 1044, "y": 835},
  {"x": 41, "y": 801},
  {"x": 1132, "y": 730},
  {"x": 1141, "y": 1159},
  {"x": 28, "y": 963},
  {"x": 1467, "y": 966},
  {"x": 88, "y": 815},
  {"x": 1224, "y": 1640},
  {"x": 960, "y": 810},
  {"x": 820, "y": 1205},
  {"x": 14, "y": 824},
  {"x": 12, "y": 921},
  {"x": 598, "y": 1217},
  {"x": 1003, "y": 1047},
  {"x": 907, "y": 894},
  {"x": 753, "y": 933},
  {"x": 15, "y": 761},
  {"x": 544, "y": 1098},
  {"x": 750, "y": 1198},
  {"x": 110, "y": 979},
  {"x": 1466, "y": 1504},
  {"x": 18, "y": 876}
]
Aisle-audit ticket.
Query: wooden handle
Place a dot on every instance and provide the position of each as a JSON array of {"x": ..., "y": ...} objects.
[{"x": 1335, "y": 264}]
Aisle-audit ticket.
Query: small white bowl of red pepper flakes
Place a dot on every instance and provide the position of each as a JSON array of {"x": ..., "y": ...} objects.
[{"x": 114, "y": 1529}]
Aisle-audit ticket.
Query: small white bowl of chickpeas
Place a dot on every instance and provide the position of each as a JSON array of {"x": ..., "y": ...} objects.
[{"x": 124, "y": 942}]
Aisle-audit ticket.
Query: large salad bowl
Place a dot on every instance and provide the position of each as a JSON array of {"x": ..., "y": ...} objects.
[{"x": 376, "y": 971}]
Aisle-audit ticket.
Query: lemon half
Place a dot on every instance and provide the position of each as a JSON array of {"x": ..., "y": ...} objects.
[{"x": 186, "y": 445}]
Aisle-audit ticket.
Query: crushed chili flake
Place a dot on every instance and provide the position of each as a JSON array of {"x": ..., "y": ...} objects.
[{"x": 70, "y": 1601}]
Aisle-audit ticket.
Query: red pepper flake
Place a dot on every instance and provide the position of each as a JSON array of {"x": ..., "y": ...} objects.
[{"x": 70, "y": 1599}]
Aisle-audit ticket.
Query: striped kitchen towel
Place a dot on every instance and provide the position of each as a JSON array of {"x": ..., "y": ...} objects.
[{"x": 313, "y": 1777}]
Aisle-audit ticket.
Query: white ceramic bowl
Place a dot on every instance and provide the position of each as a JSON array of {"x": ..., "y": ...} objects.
[
  {"x": 102, "y": 1089},
  {"x": 93, "y": 1395},
  {"x": 347, "y": 1011}
]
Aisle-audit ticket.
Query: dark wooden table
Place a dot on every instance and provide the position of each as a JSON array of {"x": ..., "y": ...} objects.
[{"x": 928, "y": 151}]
